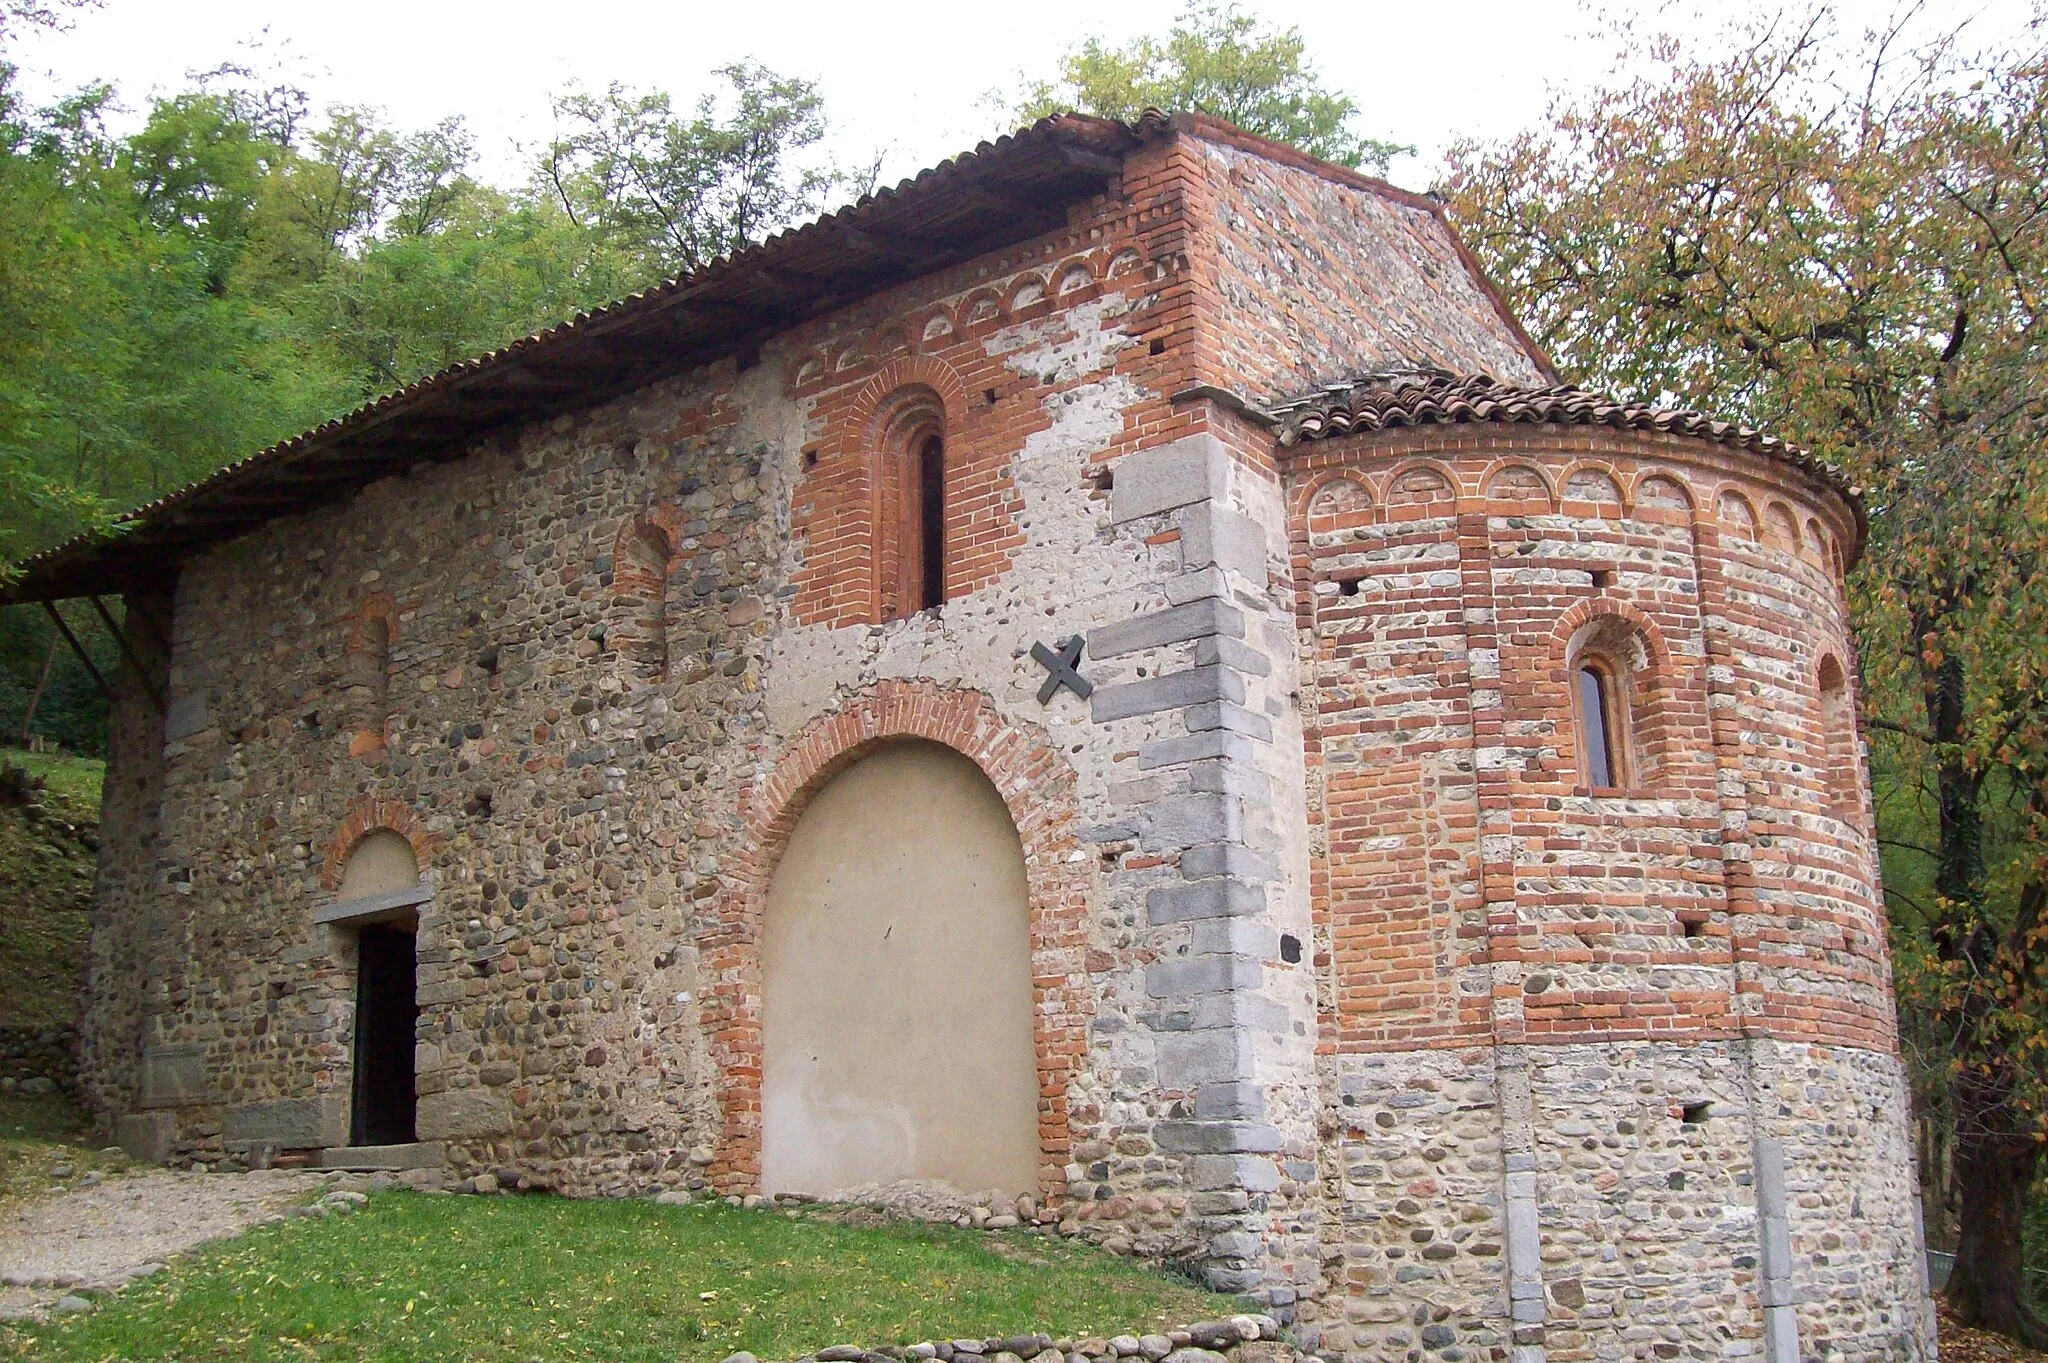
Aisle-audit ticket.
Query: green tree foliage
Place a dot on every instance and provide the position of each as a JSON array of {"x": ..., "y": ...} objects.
[
  {"x": 240, "y": 268},
  {"x": 680, "y": 192},
  {"x": 1859, "y": 263},
  {"x": 1217, "y": 60}
]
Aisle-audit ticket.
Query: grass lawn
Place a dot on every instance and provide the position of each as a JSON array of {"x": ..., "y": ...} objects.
[{"x": 412, "y": 1278}]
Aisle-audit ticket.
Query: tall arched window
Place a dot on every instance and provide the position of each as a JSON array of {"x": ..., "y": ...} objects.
[
  {"x": 1837, "y": 735},
  {"x": 1602, "y": 727},
  {"x": 911, "y": 508},
  {"x": 1617, "y": 704},
  {"x": 366, "y": 682}
]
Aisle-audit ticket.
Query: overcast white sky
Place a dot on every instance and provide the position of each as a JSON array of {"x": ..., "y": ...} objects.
[{"x": 906, "y": 79}]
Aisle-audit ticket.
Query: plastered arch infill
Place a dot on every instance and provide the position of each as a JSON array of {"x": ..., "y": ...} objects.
[
  {"x": 1028, "y": 290},
  {"x": 984, "y": 307},
  {"x": 1037, "y": 788},
  {"x": 1123, "y": 263},
  {"x": 1501, "y": 468},
  {"x": 1326, "y": 479},
  {"x": 1389, "y": 502},
  {"x": 369, "y": 814},
  {"x": 1599, "y": 469}
]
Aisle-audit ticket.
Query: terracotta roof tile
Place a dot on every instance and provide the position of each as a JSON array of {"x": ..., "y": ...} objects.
[{"x": 1436, "y": 397}]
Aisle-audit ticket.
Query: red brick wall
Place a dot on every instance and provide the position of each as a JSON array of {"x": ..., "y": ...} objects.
[
  {"x": 1442, "y": 577},
  {"x": 954, "y": 340}
]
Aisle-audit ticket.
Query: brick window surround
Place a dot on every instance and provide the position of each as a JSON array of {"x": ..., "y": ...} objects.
[
  {"x": 369, "y": 814},
  {"x": 1619, "y": 642},
  {"x": 1037, "y": 787}
]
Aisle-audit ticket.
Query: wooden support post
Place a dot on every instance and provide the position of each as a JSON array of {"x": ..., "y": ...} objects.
[
  {"x": 77, "y": 648},
  {"x": 128, "y": 652}
]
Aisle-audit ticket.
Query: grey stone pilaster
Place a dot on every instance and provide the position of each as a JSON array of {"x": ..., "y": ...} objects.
[
  {"x": 1774, "y": 1257},
  {"x": 1218, "y": 1020}
]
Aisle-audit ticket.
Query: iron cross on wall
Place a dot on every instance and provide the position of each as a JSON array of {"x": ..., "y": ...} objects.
[{"x": 1062, "y": 662}]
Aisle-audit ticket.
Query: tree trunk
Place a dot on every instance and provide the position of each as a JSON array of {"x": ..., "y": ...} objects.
[
  {"x": 28, "y": 721},
  {"x": 1994, "y": 1167}
]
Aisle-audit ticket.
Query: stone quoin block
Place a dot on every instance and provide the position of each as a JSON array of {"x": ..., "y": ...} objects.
[
  {"x": 288, "y": 1123},
  {"x": 1194, "y": 620},
  {"x": 1149, "y": 481}
]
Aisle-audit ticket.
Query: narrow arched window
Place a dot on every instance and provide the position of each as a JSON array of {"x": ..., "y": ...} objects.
[
  {"x": 366, "y": 684},
  {"x": 931, "y": 549},
  {"x": 1601, "y": 726},
  {"x": 640, "y": 576},
  {"x": 910, "y": 504},
  {"x": 1837, "y": 736}
]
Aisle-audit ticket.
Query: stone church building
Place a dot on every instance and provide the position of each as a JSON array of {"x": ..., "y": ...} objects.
[{"x": 1112, "y": 671}]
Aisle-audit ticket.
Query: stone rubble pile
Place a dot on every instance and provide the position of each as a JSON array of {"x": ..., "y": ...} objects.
[{"x": 1252, "y": 1338}]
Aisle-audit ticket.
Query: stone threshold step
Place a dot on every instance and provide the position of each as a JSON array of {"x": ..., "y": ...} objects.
[{"x": 416, "y": 1155}]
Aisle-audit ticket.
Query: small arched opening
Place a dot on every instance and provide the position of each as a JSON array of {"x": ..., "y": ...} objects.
[
  {"x": 639, "y": 628},
  {"x": 1838, "y": 766}
]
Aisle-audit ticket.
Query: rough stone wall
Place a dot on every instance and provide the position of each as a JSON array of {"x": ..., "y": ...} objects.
[
  {"x": 1313, "y": 274},
  {"x": 46, "y": 1054},
  {"x": 1574, "y": 1028}
]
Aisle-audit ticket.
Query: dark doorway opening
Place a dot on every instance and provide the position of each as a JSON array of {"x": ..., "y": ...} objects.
[{"x": 386, "y": 1009}]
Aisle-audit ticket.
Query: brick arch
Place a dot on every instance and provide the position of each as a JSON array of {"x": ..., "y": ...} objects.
[
  {"x": 1600, "y": 468},
  {"x": 1499, "y": 468},
  {"x": 1037, "y": 788},
  {"x": 376, "y": 606},
  {"x": 665, "y": 519},
  {"x": 369, "y": 814},
  {"x": 1388, "y": 501},
  {"x": 1586, "y": 612},
  {"x": 1656, "y": 720},
  {"x": 886, "y": 386},
  {"x": 1305, "y": 495}
]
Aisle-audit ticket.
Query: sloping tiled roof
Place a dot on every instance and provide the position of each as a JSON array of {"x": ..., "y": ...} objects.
[
  {"x": 1001, "y": 193},
  {"x": 1434, "y": 397}
]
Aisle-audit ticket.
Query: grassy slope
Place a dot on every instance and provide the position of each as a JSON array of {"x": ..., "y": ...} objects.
[
  {"x": 46, "y": 891},
  {"x": 38, "y": 1132},
  {"x": 503, "y": 1280}
]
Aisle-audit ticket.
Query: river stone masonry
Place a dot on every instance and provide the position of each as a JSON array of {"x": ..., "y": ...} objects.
[{"x": 1433, "y": 893}]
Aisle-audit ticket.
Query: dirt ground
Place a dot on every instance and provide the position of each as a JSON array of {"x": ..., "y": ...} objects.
[{"x": 108, "y": 1234}]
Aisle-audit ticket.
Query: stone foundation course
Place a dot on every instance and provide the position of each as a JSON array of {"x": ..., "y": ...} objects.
[{"x": 1240, "y": 1339}]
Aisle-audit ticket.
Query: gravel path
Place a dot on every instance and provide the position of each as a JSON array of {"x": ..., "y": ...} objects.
[{"x": 109, "y": 1234}]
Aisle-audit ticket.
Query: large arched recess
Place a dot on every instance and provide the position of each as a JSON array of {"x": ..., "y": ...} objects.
[
  {"x": 896, "y": 984},
  {"x": 1037, "y": 787}
]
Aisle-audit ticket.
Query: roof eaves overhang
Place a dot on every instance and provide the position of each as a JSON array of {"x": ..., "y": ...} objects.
[{"x": 1003, "y": 192}]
